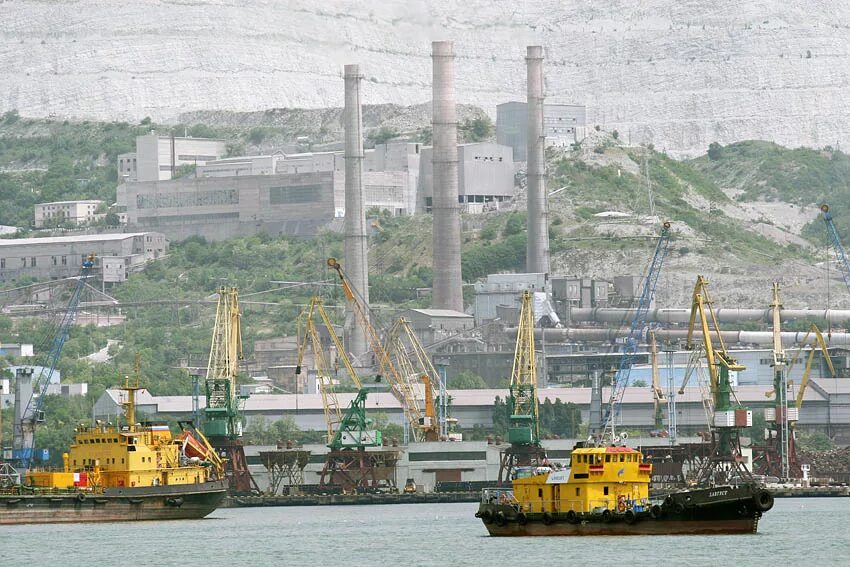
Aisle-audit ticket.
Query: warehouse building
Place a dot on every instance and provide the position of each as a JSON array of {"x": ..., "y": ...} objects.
[{"x": 62, "y": 256}]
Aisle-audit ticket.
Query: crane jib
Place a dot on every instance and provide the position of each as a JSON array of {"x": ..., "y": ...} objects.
[{"x": 639, "y": 320}]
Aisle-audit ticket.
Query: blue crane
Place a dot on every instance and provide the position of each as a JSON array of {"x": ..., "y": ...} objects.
[
  {"x": 33, "y": 413},
  {"x": 836, "y": 245},
  {"x": 621, "y": 378}
]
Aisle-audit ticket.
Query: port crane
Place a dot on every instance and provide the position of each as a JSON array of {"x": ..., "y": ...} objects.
[
  {"x": 403, "y": 386},
  {"x": 729, "y": 416},
  {"x": 770, "y": 460},
  {"x": 348, "y": 467},
  {"x": 31, "y": 389},
  {"x": 410, "y": 357},
  {"x": 658, "y": 397},
  {"x": 222, "y": 417},
  {"x": 524, "y": 424},
  {"x": 621, "y": 378}
]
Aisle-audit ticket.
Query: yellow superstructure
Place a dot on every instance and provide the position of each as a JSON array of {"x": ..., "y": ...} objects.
[
  {"x": 133, "y": 455},
  {"x": 600, "y": 478}
]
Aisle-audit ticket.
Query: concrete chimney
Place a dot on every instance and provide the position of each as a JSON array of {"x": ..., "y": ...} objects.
[
  {"x": 537, "y": 260},
  {"x": 356, "y": 254},
  {"x": 447, "y": 292}
]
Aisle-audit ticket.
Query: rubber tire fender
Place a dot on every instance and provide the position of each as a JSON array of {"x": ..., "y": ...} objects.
[
  {"x": 678, "y": 508},
  {"x": 607, "y": 516},
  {"x": 572, "y": 517},
  {"x": 501, "y": 520},
  {"x": 548, "y": 519},
  {"x": 522, "y": 518},
  {"x": 80, "y": 497},
  {"x": 656, "y": 512},
  {"x": 487, "y": 516},
  {"x": 764, "y": 501},
  {"x": 630, "y": 517}
]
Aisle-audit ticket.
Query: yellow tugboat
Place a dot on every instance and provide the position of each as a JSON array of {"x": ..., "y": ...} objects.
[
  {"x": 606, "y": 492},
  {"x": 114, "y": 473}
]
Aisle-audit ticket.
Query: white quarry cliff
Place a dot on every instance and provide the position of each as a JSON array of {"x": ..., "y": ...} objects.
[{"x": 676, "y": 73}]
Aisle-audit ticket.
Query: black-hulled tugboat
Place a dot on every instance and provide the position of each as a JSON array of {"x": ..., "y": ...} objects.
[{"x": 605, "y": 491}]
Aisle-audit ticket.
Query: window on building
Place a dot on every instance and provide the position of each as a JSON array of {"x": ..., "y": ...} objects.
[
  {"x": 32, "y": 261},
  {"x": 54, "y": 259},
  {"x": 23, "y": 262},
  {"x": 2, "y": 263},
  {"x": 64, "y": 260}
]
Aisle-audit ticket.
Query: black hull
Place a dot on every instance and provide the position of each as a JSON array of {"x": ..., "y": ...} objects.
[
  {"x": 719, "y": 510},
  {"x": 174, "y": 502}
]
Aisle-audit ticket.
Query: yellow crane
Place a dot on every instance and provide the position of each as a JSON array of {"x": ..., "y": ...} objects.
[
  {"x": 408, "y": 354},
  {"x": 330, "y": 403},
  {"x": 818, "y": 343},
  {"x": 401, "y": 385},
  {"x": 657, "y": 391},
  {"x": 720, "y": 364},
  {"x": 524, "y": 424}
]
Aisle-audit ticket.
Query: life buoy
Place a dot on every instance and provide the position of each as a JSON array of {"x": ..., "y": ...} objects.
[
  {"x": 572, "y": 517},
  {"x": 547, "y": 518},
  {"x": 656, "y": 512},
  {"x": 630, "y": 517},
  {"x": 522, "y": 518},
  {"x": 764, "y": 501},
  {"x": 621, "y": 503}
]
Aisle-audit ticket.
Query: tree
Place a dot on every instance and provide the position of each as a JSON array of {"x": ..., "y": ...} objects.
[
  {"x": 476, "y": 129},
  {"x": 639, "y": 384},
  {"x": 466, "y": 380},
  {"x": 715, "y": 151}
]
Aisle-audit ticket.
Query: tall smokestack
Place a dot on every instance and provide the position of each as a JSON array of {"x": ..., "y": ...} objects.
[
  {"x": 447, "y": 293},
  {"x": 538, "y": 207},
  {"x": 356, "y": 258}
]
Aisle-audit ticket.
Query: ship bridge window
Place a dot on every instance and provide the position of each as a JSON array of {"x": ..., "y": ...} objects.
[
  {"x": 607, "y": 458},
  {"x": 605, "y": 491},
  {"x": 622, "y": 458}
]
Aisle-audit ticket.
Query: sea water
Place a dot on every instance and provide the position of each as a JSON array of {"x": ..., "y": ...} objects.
[{"x": 798, "y": 531}]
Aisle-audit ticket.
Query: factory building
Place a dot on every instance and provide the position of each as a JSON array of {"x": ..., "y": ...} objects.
[
  {"x": 62, "y": 256},
  {"x": 434, "y": 325},
  {"x": 290, "y": 194},
  {"x": 563, "y": 124},
  {"x": 217, "y": 208},
  {"x": 60, "y": 212},
  {"x": 485, "y": 177},
  {"x": 158, "y": 158}
]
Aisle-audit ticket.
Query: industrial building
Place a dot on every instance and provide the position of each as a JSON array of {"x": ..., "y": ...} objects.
[
  {"x": 826, "y": 406},
  {"x": 62, "y": 256},
  {"x": 224, "y": 207},
  {"x": 485, "y": 177},
  {"x": 290, "y": 194},
  {"x": 563, "y": 124},
  {"x": 158, "y": 158},
  {"x": 60, "y": 212},
  {"x": 434, "y": 325}
]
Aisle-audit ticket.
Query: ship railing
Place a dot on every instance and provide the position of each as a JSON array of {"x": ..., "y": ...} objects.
[{"x": 498, "y": 496}]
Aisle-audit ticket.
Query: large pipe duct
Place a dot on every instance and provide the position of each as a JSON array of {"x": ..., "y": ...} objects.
[
  {"x": 618, "y": 315},
  {"x": 765, "y": 338},
  {"x": 538, "y": 209},
  {"x": 447, "y": 290},
  {"x": 356, "y": 251}
]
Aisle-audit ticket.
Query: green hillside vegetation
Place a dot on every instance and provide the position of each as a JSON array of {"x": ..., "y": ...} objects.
[{"x": 675, "y": 185}]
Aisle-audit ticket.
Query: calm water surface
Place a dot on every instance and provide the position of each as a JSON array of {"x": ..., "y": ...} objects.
[{"x": 798, "y": 531}]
